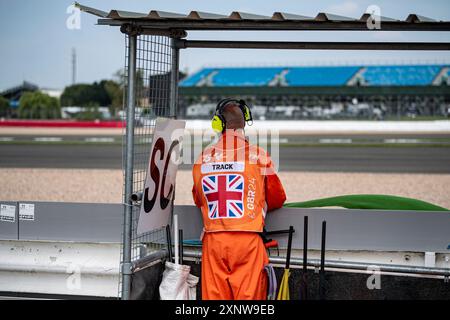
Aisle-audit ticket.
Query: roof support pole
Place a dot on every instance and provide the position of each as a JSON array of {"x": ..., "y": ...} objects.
[
  {"x": 174, "y": 78},
  {"x": 129, "y": 149},
  {"x": 313, "y": 45},
  {"x": 175, "y": 62}
]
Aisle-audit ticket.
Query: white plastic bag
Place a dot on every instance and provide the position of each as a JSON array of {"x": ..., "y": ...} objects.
[
  {"x": 177, "y": 283},
  {"x": 192, "y": 287}
]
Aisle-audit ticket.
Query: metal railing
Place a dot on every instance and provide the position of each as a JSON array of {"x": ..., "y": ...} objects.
[{"x": 348, "y": 265}]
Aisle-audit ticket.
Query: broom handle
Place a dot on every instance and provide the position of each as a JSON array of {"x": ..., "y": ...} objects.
[
  {"x": 305, "y": 244},
  {"x": 180, "y": 237},
  {"x": 288, "y": 256},
  {"x": 169, "y": 242},
  {"x": 322, "y": 262}
]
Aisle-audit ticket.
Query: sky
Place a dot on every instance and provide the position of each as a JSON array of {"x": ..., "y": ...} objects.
[{"x": 36, "y": 44}]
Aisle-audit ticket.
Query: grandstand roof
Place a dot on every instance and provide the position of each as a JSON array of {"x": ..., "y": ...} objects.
[
  {"x": 16, "y": 91},
  {"x": 13, "y": 94},
  {"x": 387, "y": 75}
]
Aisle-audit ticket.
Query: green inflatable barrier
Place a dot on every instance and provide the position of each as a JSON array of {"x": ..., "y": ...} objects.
[{"x": 368, "y": 201}]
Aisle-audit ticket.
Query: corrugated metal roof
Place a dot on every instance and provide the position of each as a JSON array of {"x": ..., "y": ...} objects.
[
  {"x": 366, "y": 17},
  {"x": 417, "y": 18},
  {"x": 198, "y": 20},
  {"x": 323, "y": 16},
  {"x": 239, "y": 15},
  {"x": 205, "y": 15},
  {"x": 289, "y": 16}
]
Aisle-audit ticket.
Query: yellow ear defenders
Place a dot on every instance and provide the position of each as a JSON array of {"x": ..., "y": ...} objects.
[{"x": 218, "y": 121}]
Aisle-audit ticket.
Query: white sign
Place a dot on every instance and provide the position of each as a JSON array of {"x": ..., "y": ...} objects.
[
  {"x": 223, "y": 167},
  {"x": 159, "y": 188},
  {"x": 26, "y": 211},
  {"x": 7, "y": 213}
]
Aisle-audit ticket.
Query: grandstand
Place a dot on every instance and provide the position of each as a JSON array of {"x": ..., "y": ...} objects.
[
  {"x": 377, "y": 92},
  {"x": 401, "y": 75},
  {"x": 319, "y": 76}
]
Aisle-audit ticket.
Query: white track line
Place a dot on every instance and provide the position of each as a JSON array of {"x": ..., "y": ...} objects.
[
  {"x": 335, "y": 140},
  {"x": 99, "y": 139},
  {"x": 48, "y": 139},
  {"x": 402, "y": 140}
]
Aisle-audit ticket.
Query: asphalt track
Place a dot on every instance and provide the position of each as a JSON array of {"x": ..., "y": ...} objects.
[
  {"x": 416, "y": 159},
  {"x": 422, "y": 138}
]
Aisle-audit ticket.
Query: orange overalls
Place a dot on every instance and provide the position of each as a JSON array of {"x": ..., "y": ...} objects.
[{"x": 235, "y": 184}]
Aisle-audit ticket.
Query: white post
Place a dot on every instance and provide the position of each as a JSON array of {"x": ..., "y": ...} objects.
[{"x": 175, "y": 232}]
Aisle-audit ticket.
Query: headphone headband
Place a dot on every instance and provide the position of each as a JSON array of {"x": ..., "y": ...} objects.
[{"x": 222, "y": 104}]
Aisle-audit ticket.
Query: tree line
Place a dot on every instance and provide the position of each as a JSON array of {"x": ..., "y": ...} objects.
[{"x": 105, "y": 93}]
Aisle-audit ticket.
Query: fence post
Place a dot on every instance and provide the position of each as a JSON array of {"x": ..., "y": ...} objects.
[{"x": 129, "y": 150}]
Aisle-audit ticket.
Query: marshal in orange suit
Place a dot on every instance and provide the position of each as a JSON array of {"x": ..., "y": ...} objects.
[{"x": 235, "y": 184}]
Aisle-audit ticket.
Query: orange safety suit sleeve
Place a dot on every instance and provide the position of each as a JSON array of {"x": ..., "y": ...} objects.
[
  {"x": 196, "y": 196},
  {"x": 275, "y": 194},
  {"x": 274, "y": 191}
]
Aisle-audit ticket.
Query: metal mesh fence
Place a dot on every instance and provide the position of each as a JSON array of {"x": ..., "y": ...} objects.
[{"x": 153, "y": 79}]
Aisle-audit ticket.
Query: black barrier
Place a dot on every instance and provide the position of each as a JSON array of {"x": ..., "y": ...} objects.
[{"x": 339, "y": 285}]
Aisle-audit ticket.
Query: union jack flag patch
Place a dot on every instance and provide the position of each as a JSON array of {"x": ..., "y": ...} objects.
[{"x": 224, "y": 194}]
